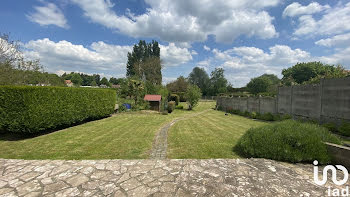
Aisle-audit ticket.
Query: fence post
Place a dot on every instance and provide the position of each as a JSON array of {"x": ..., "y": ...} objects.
[
  {"x": 291, "y": 101},
  {"x": 259, "y": 103},
  {"x": 321, "y": 96}
]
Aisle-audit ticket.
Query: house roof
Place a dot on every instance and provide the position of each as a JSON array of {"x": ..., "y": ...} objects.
[
  {"x": 149, "y": 97},
  {"x": 68, "y": 81}
]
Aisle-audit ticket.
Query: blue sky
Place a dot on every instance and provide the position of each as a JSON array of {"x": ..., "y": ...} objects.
[{"x": 246, "y": 38}]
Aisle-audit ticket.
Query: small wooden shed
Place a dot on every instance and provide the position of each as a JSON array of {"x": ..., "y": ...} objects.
[{"x": 154, "y": 101}]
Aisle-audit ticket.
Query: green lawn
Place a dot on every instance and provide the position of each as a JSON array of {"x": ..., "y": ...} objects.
[
  {"x": 123, "y": 136},
  {"x": 210, "y": 135}
]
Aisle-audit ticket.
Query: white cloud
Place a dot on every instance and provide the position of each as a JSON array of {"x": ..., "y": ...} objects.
[
  {"x": 341, "y": 56},
  {"x": 48, "y": 14},
  {"x": 243, "y": 63},
  {"x": 173, "y": 55},
  {"x": 296, "y": 9},
  {"x": 193, "y": 52},
  {"x": 336, "y": 20},
  {"x": 99, "y": 57},
  {"x": 206, "y": 48},
  {"x": 64, "y": 55},
  {"x": 187, "y": 21},
  {"x": 341, "y": 40}
]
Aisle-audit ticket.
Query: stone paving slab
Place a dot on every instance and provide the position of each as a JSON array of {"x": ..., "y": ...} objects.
[{"x": 214, "y": 177}]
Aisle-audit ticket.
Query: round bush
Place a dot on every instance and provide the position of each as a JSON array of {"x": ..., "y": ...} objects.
[{"x": 288, "y": 140}]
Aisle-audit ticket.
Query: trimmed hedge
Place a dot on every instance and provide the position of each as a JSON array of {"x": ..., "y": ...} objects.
[
  {"x": 171, "y": 106},
  {"x": 174, "y": 97},
  {"x": 288, "y": 140},
  {"x": 26, "y": 109}
]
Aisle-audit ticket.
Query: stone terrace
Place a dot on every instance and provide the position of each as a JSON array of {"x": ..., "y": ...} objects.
[{"x": 214, "y": 177}]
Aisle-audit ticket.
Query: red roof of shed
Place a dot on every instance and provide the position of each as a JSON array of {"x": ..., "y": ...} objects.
[{"x": 149, "y": 97}]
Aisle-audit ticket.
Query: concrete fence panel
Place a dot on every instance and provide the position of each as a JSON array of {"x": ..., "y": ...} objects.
[
  {"x": 336, "y": 99},
  {"x": 268, "y": 105},
  {"x": 306, "y": 101},
  {"x": 284, "y": 100},
  {"x": 253, "y": 104}
]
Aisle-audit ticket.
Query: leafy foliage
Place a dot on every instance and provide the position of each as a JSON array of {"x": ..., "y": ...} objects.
[
  {"x": 26, "y": 109},
  {"x": 25, "y": 76},
  {"x": 193, "y": 94},
  {"x": 144, "y": 62},
  {"x": 263, "y": 84},
  {"x": 288, "y": 140},
  {"x": 311, "y": 72},
  {"x": 200, "y": 78},
  {"x": 179, "y": 85},
  {"x": 175, "y": 97},
  {"x": 171, "y": 106},
  {"x": 104, "y": 81},
  {"x": 218, "y": 82},
  {"x": 344, "y": 128}
]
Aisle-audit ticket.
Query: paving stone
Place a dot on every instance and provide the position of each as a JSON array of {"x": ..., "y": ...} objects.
[
  {"x": 77, "y": 180},
  {"x": 29, "y": 187},
  {"x": 213, "y": 177},
  {"x": 68, "y": 192},
  {"x": 5, "y": 191},
  {"x": 54, "y": 187},
  {"x": 130, "y": 184}
]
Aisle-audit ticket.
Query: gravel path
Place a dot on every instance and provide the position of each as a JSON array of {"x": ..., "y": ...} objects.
[
  {"x": 160, "y": 144},
  {"x": 214, "y": 177}
]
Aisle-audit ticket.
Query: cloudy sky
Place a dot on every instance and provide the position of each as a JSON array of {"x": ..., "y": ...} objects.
[{"x": 247, "y": 38}]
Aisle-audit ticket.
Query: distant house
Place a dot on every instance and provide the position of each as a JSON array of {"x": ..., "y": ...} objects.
[
  {"x": 115, "y": 86},
  {"x": 103, "y": 86},
  {"x": 69, "y": 83},
  {"x": 154, "y": 101}
]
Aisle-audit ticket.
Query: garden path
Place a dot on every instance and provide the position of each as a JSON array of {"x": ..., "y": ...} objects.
[{"x": 160, "y": 144}]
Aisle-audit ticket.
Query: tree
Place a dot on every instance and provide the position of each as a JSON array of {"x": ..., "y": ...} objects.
[
  {"x": 104, "y": 81},
  {"x": 193, "y": 94},
  {"x": 311, "y": 71},
  {"x": 135, "y": 89},
  {"x": 264, "y": 83},
  {"x": 144, "y": 62},
  {"x": 218, "y": 82},
  {"x": 258, "y": 85},
  {"x": 200, "y": 78},
  {"x": 93, "y": 84},
  {"x": 76, "y": 79},
  {"x": 97, "y": 79},
  {"x": 150, "y": 70},
  {"x": 113, "y": 81},
  {"x": 179, "y": 85},
  {"x": 9, "y": 49}
]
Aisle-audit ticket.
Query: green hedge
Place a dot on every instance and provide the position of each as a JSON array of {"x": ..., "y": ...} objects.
[
  {"x": 26, "y": 109},
  {"x": 288, "y": 140}
]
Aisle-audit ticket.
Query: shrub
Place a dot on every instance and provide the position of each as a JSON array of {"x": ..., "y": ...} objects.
[
  {"x": 330, "y": 126},
  {"x": 246, "y": 114},
  {"x": 266, "y": 116},
  {"x": 176, "y": 98},
  {"x": 344, "y": 128},
  {"x": 182, "y": 96},
  {"x": 165, "y": 112},
  {"x": 193, "y": 94},
  {"x": 253, "y": 115},
  {"x": 286, "y": 117},
  {"x": 171, "y": 106},
  {"x": 26, "y": 109},
  {"x": 287, "y": 140},
  {"x": 277, "y": 117},
  {"x": 179, "y": 107}
]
